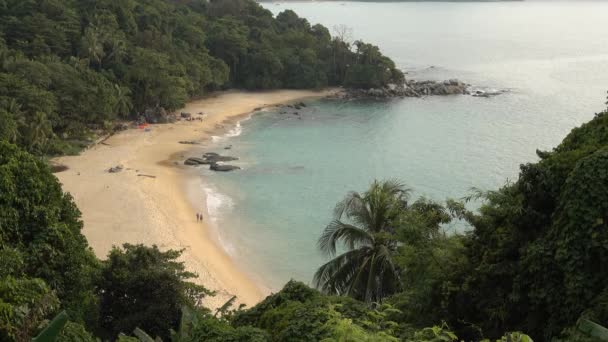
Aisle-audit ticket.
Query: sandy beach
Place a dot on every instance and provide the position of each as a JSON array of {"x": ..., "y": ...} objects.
[{"x": 154, "y": 200}]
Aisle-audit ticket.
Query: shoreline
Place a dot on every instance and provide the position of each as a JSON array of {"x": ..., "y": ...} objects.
[{"x": 127, "y": 207}]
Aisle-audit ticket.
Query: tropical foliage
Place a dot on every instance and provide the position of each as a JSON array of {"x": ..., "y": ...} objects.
[
  {"x": 71, "y": 67},
  {"x": 366, "y": 270},
  {"x": 539, "y": 246},
  {"x": 533, "y": 259},
  {"x": 146, "y": 288}
]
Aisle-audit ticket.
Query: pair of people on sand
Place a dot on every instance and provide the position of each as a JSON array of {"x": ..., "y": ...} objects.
[{"x": 199, "y": 217}]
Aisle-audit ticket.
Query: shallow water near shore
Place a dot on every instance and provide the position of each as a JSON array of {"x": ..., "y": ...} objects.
[{"x": 551, "y": 56}]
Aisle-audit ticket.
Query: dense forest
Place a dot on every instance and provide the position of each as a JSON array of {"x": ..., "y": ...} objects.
[{"x": 70, "y": 67}]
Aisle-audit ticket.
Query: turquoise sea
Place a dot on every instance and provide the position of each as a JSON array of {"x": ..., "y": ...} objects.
[{"x": 551, "y": 56}]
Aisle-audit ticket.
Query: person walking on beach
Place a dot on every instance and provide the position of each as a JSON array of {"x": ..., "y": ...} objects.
[
  {"x": 201, "y": 217},
  {"x": 198, "y": 217}
]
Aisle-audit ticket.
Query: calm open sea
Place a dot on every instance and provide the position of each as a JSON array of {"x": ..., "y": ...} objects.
[{"x": 552, "y": 56}]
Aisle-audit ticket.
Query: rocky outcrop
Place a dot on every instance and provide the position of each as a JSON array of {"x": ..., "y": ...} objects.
[
  {"x": 410, "y": 88},
  {"x": 223, "y": 167}
]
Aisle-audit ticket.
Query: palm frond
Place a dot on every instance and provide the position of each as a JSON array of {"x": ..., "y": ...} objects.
[
  {"x": 339, "y": 232},
  {"x": 352, "y": 202},
  {"x": 385, "y": 200},
  {"x": 366, "y": 271},
  {"x": 356, "y": 286},
  {"x": 388, "y": 274},
  {"x": 334, "y": 277}
]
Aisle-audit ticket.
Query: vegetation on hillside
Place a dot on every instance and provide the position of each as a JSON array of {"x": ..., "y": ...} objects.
[
  {"x": 69, "y": 67},
  {"x": 534, "y": 261}
]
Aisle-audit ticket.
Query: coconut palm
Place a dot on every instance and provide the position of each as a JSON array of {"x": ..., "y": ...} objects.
[
  {"x": 92, "y": 44},
  {"x": 363, "y": 224},
  {"x": 123, "y": 101},
  {"x": 39, "y": 131}
]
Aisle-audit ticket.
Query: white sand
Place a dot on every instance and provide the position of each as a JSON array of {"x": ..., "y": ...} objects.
[{"x": 123, "y": 207}]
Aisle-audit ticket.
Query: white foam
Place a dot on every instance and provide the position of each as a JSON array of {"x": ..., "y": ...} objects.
[
  {"x": 218, "y": 204},
  {"x": 233, "y": 132}
]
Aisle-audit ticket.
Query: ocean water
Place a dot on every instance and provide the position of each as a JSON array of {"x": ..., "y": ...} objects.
[{"x": 551, "y": 56}]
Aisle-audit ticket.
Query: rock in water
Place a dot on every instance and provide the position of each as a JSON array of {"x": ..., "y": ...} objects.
[
  {"x": 209, "y": 158},
  {"x": 194, "y": 161},
  {"x": 223, "y": 168},
  {"x": 214, "y": 158}
]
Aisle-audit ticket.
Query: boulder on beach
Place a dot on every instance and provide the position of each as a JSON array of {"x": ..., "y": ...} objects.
[
  {"x": 223, "y": 167},
  {"x": 115, "y": 169},
  {"x": 194, "y": 161}
]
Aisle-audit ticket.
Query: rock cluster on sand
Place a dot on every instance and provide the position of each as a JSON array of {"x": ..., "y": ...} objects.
[
  {"x": 213, "y": 159},
  {"x": 115, "y": 169}
]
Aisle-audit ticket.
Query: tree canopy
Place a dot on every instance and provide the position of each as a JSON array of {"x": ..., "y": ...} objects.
[{"x": 69, "y": 68}]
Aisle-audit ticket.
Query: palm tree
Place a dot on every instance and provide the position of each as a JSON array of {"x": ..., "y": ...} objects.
[
  {"x": 92, "y": 44},
  {"x": 123, "y": 101},
  {"x": 11, "y": 118},
  {"x": 39, "y": 131},
  {"x": 366, "y": 270},
  {"x": 117, "y": 49}
]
